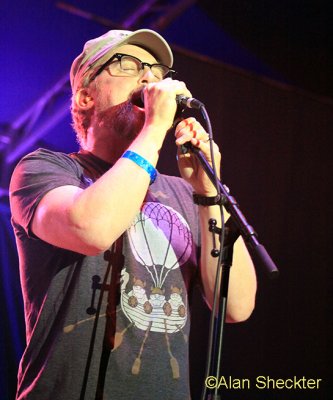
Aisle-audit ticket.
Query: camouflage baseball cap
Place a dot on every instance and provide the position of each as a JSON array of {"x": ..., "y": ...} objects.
[{"x": 96, "y": 51}]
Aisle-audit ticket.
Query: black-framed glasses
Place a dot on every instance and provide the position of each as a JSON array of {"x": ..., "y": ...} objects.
[{"x": 126, "y": 65}]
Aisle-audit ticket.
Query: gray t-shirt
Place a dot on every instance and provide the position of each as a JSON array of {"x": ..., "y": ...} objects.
[{"x": 110, "y": 326}]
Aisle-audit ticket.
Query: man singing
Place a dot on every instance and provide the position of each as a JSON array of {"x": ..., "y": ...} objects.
[{"x": 109, "y": 248}]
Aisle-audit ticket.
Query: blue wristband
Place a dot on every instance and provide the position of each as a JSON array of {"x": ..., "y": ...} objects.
[{"x": 143, "y": 163}]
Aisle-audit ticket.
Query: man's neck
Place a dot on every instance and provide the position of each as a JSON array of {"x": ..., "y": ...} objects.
[
  {"x": 108, "y": 155},
  {"x": 108, "y": 150}
]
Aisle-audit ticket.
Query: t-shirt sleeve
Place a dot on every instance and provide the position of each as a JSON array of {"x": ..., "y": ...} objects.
[{"x": 34, "y": 176}]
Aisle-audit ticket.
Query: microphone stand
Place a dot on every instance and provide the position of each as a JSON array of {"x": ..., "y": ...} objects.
[
  {"x": 258, "y": 251},
  {"x": 235, "y": 226}
]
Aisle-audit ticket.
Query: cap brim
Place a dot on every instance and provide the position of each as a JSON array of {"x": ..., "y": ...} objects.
[{"x": 153, "y": 42}]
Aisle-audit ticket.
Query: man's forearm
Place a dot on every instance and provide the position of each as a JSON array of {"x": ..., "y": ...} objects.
[{"x": 242, "y": 283}]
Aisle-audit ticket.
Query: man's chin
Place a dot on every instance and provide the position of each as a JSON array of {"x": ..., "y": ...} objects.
[{"x": 125, "y": 119}]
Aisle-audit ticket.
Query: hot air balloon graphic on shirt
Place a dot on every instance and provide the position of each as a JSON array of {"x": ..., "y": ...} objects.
[{"x": 161, "y": 241}]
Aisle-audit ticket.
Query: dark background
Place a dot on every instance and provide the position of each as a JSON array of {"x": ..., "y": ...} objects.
[{"x": 264, "y": 71}]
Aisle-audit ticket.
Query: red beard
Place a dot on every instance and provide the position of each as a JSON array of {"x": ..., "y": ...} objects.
[{"x": 124, "y": 120}]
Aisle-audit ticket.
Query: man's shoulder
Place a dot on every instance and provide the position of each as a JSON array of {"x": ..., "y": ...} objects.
[
  {"x": 43, "y": 159},
  {"x": 43, "y": 165},
  {"x": 44, "y": 154}
]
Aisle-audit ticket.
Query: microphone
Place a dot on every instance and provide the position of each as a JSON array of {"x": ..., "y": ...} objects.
[{"x": 137, "y": 99}]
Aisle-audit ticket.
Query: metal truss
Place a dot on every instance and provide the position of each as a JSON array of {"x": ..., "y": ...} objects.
[{"x": 20, "y": 136}]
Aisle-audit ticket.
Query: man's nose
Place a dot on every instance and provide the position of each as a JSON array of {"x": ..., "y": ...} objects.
[{"x": 147, "y": 75}]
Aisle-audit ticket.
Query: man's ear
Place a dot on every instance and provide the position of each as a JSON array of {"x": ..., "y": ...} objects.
[{"x": 83, "y": 99}]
